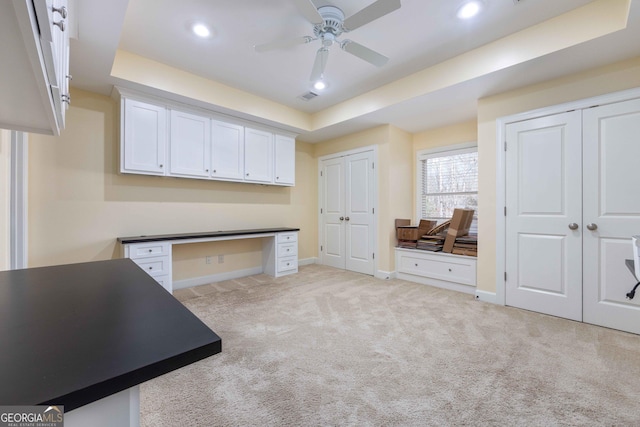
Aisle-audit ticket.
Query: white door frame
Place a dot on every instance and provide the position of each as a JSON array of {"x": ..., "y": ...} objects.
[
  {"x": 373, "y": 148},
  {"x": 501, "y": 125},
  {"x": 18, "y": 219}
]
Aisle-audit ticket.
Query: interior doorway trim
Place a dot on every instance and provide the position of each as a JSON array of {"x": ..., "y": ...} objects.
[
  {"x": 501, "y": 125},
  {"x": 18, "y": 218},
  {"x": 374, "y": 149}
]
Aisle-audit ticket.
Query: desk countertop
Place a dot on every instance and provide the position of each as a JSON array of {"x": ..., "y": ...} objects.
[
  {"x": 73, "y": 334},
  {"x": 203, "y": 235}
]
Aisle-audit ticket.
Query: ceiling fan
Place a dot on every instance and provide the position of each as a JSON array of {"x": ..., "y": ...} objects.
[{"x": 329, "y": 23}]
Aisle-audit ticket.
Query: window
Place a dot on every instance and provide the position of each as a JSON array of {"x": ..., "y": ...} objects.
[{"x": 447, "y": 179}]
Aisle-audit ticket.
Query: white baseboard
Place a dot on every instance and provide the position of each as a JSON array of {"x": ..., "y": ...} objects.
[
  {"x": 485, "y": 296},
  {"x": 307, "y": 261},
  {"x": 385, "y": 275},
  {"x": 204, "y": 280}
]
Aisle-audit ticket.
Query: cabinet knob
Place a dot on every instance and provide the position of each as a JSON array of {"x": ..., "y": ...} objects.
[
  {"x": 288, "y": 263},
  {"x": 214, "y": 171},
  {"x": 449, "y": 269},
  {"x": 247, "y": 174},
  {"x": 150, "y": 268},
  {"x": 62, "y": 11},
  {"x": 206, "y": 170},
  {"x": 60, "y": 24},
  {"x": 416, "y": 264},
  {"x": 150, "y": 250},
  {"x": 277, "y": 177},
  {"x": 161, "y": 165}
]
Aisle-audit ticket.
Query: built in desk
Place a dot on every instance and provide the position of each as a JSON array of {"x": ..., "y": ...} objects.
[
  {"x": 154, "y": 253},
  {"x": 85, "y": 335}
]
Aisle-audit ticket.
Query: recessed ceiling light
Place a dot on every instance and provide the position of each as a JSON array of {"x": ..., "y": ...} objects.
[
  {"x": 469, "y": 9},
  {"x": 201, "y": 30}
]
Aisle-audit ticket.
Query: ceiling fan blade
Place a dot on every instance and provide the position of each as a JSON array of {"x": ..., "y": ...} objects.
[
  {"x": 371, "y": 13},
  {"x": 364, "y": 53},
  {"x": 282, "y": 44},
  {"x": 309, "y": 11},
  {"x": 319, "y": 64}
]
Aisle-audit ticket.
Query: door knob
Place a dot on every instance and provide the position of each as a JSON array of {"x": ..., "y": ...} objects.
[
  {"x": 341, "y": 218},
  {"x": 573, "y": 226},
  {"x": 592, "y": 227},
  {"x": 347, "y": 218}
]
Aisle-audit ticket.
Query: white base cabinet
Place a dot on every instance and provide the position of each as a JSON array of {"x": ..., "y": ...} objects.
[
  {"x": 443, "y": 270},
  {"x": 154, "y": 258}
]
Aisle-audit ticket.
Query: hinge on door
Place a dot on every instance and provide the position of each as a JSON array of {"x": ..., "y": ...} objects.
[
  {"x": 505, "y": 146},
  {"x": 320, "y": 173},
  {"x": 320, "y": 210},
  {"x": 505, "y": 276},
  {"x": 374, "y": 256},
  {"x": 373, "y": 210},
  {"x": 373, "y": 165},
  {"x": 320, "y": 248},
  {"x": 505, "y": 211}
]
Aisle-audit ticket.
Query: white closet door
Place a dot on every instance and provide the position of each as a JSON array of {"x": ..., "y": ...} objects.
[
  {"x": 359, "y": 212},
  {"x": 544, "y": 215},
  {"x": 333, "y": 206},
  {"x": 612, "y": 204}
]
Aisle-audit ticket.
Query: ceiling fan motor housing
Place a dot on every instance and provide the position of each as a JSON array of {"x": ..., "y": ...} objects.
[{"x": 332, "y": 26}]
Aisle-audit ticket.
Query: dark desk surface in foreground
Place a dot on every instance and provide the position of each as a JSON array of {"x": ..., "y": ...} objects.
[
  {"x": 203, "y": 235},
  {"x": 73, "y": 334}
]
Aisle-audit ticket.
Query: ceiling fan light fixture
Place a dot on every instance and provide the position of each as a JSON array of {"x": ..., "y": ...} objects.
[
  {"x": 469, "y": 9},
  {"x": 320, "y": 85}
]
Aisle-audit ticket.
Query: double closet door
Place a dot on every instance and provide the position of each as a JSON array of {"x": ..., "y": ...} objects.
[
  {"x": 347, "y": 226},
  {"x": 572, "y": 206}
]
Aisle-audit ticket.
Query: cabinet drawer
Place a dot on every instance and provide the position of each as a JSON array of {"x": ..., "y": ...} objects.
[
  {"x": 442, "y": 269},
  {"x": 154, "y": 266},
  {"x": 287, "y": 249},
  {"x": 287, "y": 264},
  {"x": 287, "y": 237},
  {"x": 147, "y": 250},
  {"x": 165, "y": 281}
]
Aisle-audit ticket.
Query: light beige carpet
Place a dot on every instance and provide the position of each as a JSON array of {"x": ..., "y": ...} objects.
[{"x": 330, "y": 348}]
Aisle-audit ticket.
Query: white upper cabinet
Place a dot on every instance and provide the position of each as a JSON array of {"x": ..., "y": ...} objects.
[
  {"x": 190, "y": 144},
  {"x": 144, "y": 138},
  {"x": 285, "y": 160},
  {"x": 164, "y": 138},
  {"x": 227, "y": 151},
  {"x": 258, "y": 155},
  {"x": 35, "y": 54}
]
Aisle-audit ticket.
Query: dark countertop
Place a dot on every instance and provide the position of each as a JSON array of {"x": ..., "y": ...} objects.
[
  {"x": 73, "y": 334},
  {"x": 203, "y": 235}
]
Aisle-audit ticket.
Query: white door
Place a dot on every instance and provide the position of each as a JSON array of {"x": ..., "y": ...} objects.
[
  {"x": 258, "y": 155},
  {"x": 347, "y": 217},
  {"x": 332, "y": 208},
  {"x": 611, "y": 213},
  {"x": 145, "y": 130},
  {"x": 227, "y": 152},
  {"x": 190, "y": 144},
  {"x": 544, "y": 215},
  {"x": 359, "y": 212}
]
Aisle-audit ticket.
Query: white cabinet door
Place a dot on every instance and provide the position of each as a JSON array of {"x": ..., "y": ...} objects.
[
  {"x": 544, "y": 215},
  {"x": 285, "y": 160},
  {"x": 144, "y": 138},
  {"x": 332, "y": 217},
  {"x": 258, "y": 156},
  {"x": 227, "y": 151},
  {"x": 190, "y": 144}
]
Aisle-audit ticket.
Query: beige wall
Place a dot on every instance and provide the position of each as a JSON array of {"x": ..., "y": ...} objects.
[
  {"x": 79, "y": 203},
  {"x": 5, "y": 197},
  {"x": 599, "y": 81}
]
